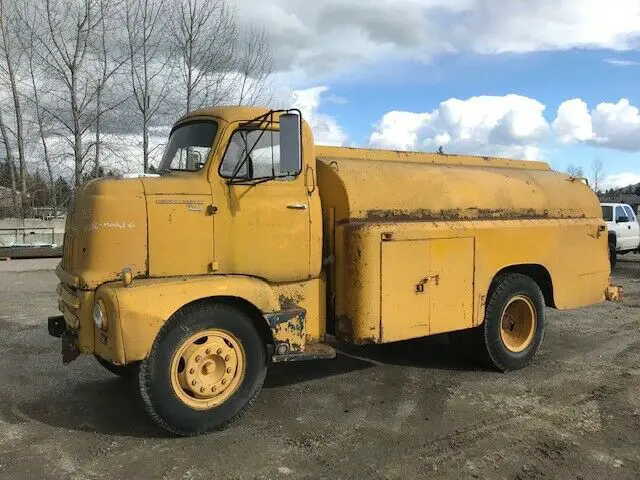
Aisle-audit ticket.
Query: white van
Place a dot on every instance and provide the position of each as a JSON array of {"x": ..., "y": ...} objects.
[{"x": 623, "y": 223}]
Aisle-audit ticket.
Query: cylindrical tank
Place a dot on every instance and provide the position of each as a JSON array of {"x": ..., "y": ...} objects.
[{"x": 405, "y": 186}]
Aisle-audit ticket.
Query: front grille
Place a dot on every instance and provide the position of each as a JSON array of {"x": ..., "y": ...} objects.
[
  {"x": 66, "y": 250},
  {"x": 69, "y": 304}
]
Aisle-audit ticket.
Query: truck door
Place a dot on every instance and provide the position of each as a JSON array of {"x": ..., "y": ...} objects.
[
  {"x": 263, "y": 219},
  {"x": 623, "y": 229},
  {"x": 632, "y": 227}
]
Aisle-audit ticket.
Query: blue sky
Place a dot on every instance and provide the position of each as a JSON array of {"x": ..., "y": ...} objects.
[
  {"x": 549, "y": 77},
  {"x": 539, "y": 79}
]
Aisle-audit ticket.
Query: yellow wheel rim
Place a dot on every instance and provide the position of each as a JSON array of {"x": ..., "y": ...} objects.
[
  {"x": 207, "y": 368},
  {"x": 518, "y": 324}
]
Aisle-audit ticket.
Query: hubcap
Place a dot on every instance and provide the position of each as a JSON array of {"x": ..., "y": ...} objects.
[
  {"x": 207, "y": 368},
  {"x": 518, "y": 324}
]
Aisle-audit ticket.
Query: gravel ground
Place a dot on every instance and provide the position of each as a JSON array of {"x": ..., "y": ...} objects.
[{"x": 408, "y": 410}]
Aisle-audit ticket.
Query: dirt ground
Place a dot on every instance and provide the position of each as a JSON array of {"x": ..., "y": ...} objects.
[{"x": 408, "y": 410}]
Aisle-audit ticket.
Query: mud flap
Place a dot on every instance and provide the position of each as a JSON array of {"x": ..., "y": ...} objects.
[{"x": 70, "y": 350}]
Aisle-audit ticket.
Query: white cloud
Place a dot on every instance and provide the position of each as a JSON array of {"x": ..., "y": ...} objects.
[
  {"x": 326, "y": 130},
  {"x": 510, "y": 125},
  {"x": 621, "y": 180},
  {"x": 398, "y": 130},
  {"x": 326, "y": 37},
  {"x": 573, "y": 122},
  {"x": 612, "y": 125},
  {"x": 616, "y": 62}
]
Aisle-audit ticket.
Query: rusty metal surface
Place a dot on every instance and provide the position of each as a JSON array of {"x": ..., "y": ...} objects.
[
  {"x": 288, "y": 329},
  {"x": 313, "y": 351},
  {"x": 614, "y": 293}
]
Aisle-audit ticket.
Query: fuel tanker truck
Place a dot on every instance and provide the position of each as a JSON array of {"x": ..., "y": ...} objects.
[{"x": 251, "y": 245}]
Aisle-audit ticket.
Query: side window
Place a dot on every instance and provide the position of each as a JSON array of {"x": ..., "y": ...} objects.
[
  {"x": 629, "y": 212},
  {"x": 620, "y": 212},
  {"x": 607, "y": 213},
  {"x": 254, "y": 154}
]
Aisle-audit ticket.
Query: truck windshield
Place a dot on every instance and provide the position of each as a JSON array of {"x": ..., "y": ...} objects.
[
  {"x": 607, "y": 213},
  {"x": 189, "y": 146}
]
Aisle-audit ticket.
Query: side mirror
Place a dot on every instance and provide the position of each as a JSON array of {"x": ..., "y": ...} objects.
[
  {"x": 622, "y": 219},
  {"x": 290, "y": 143}
]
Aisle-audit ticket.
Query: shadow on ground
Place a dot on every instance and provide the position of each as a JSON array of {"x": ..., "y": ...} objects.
[{"x": 111, "y": 406}]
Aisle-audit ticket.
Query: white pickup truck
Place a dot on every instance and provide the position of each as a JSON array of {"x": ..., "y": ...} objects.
[{"x": 624, "y": 230}]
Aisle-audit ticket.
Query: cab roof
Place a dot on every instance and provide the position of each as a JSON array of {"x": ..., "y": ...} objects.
[{"x": 226, "y": 113}]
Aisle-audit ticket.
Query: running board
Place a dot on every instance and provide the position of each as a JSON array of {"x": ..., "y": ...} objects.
[{"x": 313, "y": 351}]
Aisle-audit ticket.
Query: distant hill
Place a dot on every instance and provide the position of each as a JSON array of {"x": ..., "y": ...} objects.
[{"x": 629, "y": 195}]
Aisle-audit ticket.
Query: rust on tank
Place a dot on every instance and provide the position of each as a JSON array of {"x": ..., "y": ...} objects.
[{"x": 419, "y": 215}]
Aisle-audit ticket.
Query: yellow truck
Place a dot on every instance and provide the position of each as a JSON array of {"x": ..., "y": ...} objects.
[{"x": 252, "y": 245}]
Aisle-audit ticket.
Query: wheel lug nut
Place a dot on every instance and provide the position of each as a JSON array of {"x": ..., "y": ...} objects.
[
  {"x": 194, "y": 383},
  {"x": 226, "y": 358},
  {"x": 224, "y": 381},
  {"x": 219, "y": 351},
  {"x": 202, "y": 390},
  {"x": 192, "y": 370},
  {"x": 213, "y": 389},
  {"x": 229, "y": 370},
  {"x": 198, "y": 358},
  {"x": 208, "y": 351}
]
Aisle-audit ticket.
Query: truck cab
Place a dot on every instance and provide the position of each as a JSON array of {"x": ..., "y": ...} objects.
[{"x": 623, "y": 226}]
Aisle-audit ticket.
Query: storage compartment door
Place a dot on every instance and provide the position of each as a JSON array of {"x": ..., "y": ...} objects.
[
  {"x": 404, "y": 292},
  {"x": 451, "y": 284}
]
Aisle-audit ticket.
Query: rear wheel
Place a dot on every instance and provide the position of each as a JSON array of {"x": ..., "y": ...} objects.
[
  {"x": 514, "y": 323},
  {"x": 204, "y": 371}
]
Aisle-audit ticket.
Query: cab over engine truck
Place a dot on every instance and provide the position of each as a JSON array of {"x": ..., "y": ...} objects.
[{"x": 251, "y": 244}]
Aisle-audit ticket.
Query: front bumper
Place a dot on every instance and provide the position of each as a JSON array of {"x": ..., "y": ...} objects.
[{"x": 75, "y": 326}]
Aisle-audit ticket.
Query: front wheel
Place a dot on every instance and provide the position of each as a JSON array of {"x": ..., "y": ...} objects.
[
  {"x": 514, "y": 323},
  {"x": 204, "y": 371}
]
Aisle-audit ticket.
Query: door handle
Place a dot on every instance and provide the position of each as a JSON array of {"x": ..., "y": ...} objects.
[{"x": 297, "y": 206}]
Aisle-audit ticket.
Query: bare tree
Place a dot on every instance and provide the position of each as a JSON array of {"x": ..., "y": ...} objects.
[
  {"x": 150, "y": 61},
  {"x": 254, "y": 65},
  {"x": 71, "y": 43},
  {"x": 4, "y": 136},
  {"x": 10, "y": 58},
  {"x": 575, "y": 170},
  {"x": 597, "y": 173},
  {"x": 33, "y": 97},
  {"x": 111, "y": 58},
  {"x": 205, "y": 34}
]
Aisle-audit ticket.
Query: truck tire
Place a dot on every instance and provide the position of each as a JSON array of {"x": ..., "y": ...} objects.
[
  {"x": 124, "y": 371},
  {"x": 514, "y": 323},
  {"x": 205, "y": 369},
  {"x": 613, "y": 255}
]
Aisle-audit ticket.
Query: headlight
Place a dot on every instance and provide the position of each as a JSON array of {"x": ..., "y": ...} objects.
[{"x": 100, "y": 315}]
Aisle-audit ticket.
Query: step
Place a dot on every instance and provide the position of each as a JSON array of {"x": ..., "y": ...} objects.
[{"x": 313, "y": 351}]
